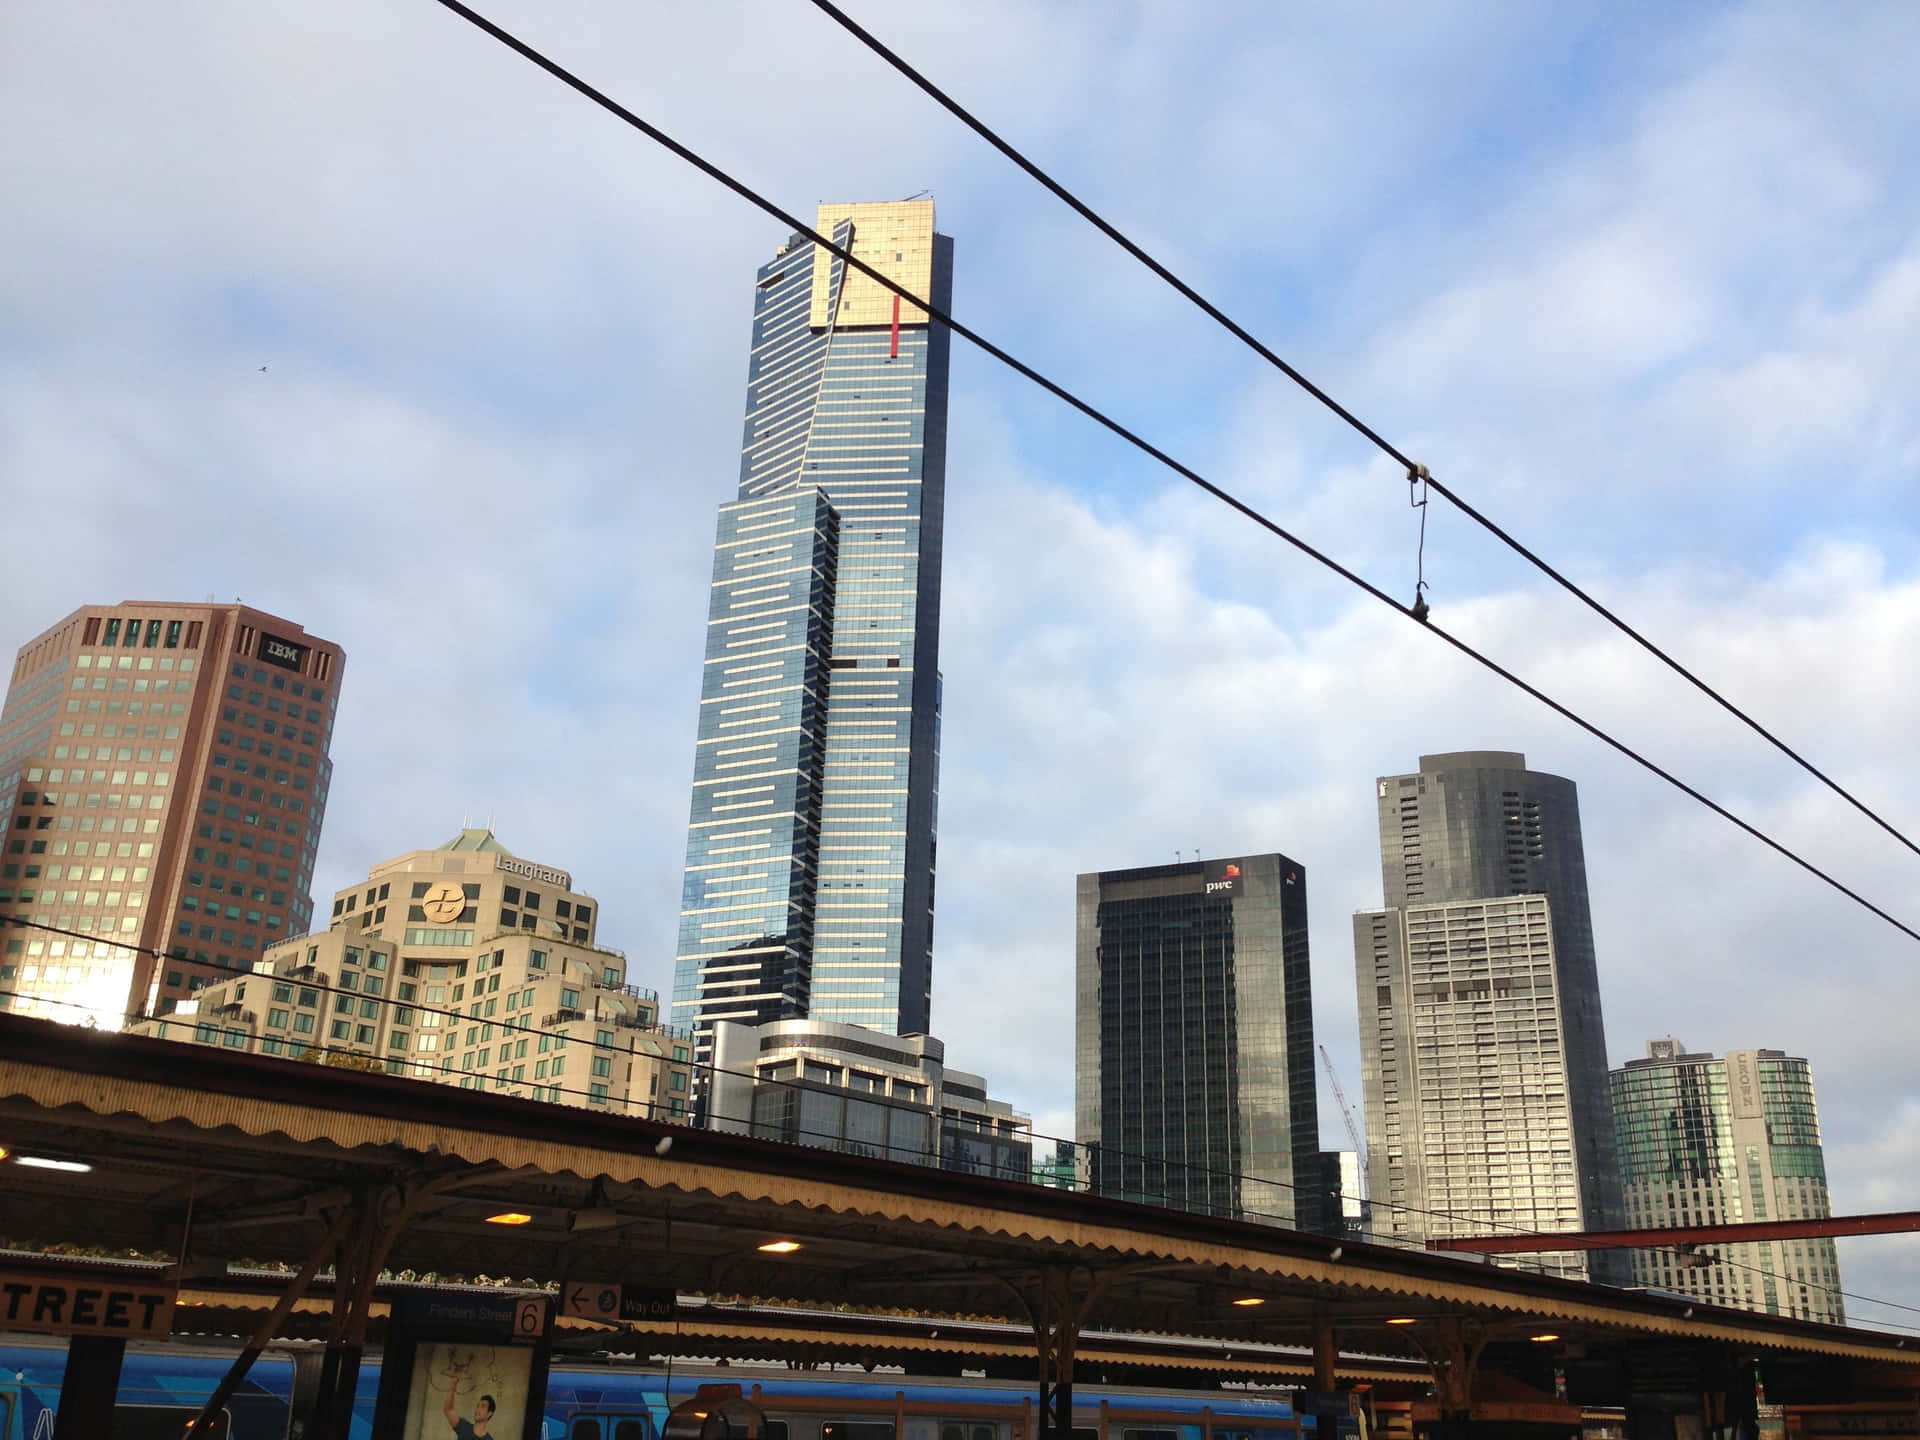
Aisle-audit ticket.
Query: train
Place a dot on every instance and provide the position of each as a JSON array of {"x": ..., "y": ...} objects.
[{"x": 163, "y": 1386}]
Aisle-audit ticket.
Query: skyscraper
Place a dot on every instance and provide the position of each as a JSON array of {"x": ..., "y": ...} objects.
[
  {"x": 810, "y": 848},
  {"x": 164, "y": 772},
  {"x": 1193, "y": 1039},
  {"x": 1482, "y": 1049},
  {"x": 1707, "y": 1141}
]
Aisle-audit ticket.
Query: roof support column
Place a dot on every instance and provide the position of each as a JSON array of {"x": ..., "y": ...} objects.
[
  {"x": 86, "y": 1391},
  {"x": 375, "y": 1219},
  {"x": 1058, "y": 1308},
  {"x": 1452, "y": 1347},
  {"x": 268, "y": 1328}
]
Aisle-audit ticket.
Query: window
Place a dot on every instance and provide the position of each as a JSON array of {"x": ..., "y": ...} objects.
[
  {"x": 570, "y": 999},
  {"x": 597, "y": 1095},
  {"x": 603, "y": 1066}
]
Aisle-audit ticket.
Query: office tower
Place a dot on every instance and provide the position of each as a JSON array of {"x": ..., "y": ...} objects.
[
  {"x": 408, "y": 976},
  {"x": 1483, "y": 1054},
  {"x": 1193, "y": 1056},
  {"x": 164, "y": 773},
  {"x": 810, "y": 846},
  {"x": 1711, "y": 1141}
]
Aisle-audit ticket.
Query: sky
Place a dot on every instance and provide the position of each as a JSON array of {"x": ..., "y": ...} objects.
[{"x": 1641, "y": 282}]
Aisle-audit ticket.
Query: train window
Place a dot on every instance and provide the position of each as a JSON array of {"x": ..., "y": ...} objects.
[
  {"x": 1150, "y": 1435},
  {"x": 773, "y": 1430},
  {"x": 1086, "y": 1432},
  {"x": 630, "y": 1430},
  {"x": 856, "y": 1430},
  {"x": 584, "y": 1430},
  {"x": 991, "y": 1432},
  {"x": 950, "y": 1431}
]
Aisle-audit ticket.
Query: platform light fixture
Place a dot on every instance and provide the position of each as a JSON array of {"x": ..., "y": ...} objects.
[
  {"x": 1402, "y": 1320},
  {"x": 1250, "y": 1300},
  {"x": 1543, "y": 1339},
  {"x": 779, "y": 1247},
  {"x": 47, "y": 1162},
  {"x": 510, "y": 1217}
]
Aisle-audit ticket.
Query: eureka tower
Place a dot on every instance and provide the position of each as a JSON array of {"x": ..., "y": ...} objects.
[{"x": 810, "y": 848}]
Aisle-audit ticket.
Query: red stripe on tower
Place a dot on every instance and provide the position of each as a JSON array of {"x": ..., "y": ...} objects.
[{"x": 894, "y": 352}]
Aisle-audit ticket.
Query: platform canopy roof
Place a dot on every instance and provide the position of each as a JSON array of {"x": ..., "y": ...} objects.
[{"x": 260, "y": 1150}]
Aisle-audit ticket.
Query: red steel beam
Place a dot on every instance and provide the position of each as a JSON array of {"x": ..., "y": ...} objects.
[{"x": 1757, "y": 1230}]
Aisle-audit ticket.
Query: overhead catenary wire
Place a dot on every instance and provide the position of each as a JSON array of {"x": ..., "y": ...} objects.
[
  {"x": 1380, "y": 442},
  {"x": 1188, "y": 1170},
  {"x": 1146, "y": 447}
]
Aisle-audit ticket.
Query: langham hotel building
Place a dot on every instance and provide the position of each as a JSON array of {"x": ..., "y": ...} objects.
[{"x": 163, "y": 777}]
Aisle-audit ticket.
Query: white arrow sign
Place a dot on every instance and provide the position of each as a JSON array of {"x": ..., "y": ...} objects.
[{"x": 591, "y": 1300}]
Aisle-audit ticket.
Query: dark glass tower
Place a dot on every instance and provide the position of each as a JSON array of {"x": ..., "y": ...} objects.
[
  {"x": 810, "y": 848},
  {"x": 1193, "y": 1070}
]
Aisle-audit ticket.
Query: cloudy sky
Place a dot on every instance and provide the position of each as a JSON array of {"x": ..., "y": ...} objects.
[{"x": 1643, "y": 284}]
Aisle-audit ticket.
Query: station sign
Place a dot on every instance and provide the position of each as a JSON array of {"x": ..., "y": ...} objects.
[
  {"x": 85, "y": 1305},
  {"x": 454, "y": 1316}
]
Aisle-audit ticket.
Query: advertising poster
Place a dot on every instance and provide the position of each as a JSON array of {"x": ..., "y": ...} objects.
[{"x": 463, "y": 1390}]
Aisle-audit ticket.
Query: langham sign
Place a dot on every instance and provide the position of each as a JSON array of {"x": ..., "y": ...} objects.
[{"x": 533, "y": 872}]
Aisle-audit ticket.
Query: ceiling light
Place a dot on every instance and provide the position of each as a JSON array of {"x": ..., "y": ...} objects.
[
  {"x": 780, "y": 1247},
  {"x": 1403, "y": 1320},
  {"x": 4, "y": 1152},
  {"x": 42, "y": 1162},
  {"x": 1543, "y": 1339},
  {"x": 509, "y": 1217},
  {"x": 1250, "y": 1300}
]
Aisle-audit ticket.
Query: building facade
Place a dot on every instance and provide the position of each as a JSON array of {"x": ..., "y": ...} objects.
[
  {"x": 163, "y": 773},
  {"x": 410, "y": 976},
  {"x": 1194, "y": 1081},
  {"x": 844, "y": 1087},
  {"x": 1482, "y": 1048},
  {"x": 1710, "y": 1141},
  {"x": 809, "y": 883}
]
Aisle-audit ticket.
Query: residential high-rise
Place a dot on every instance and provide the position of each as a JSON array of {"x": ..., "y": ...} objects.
[
  {"x": 810, "y": 848},
  {"x": 1194, "y": 1082},
  {"x": 163, "y": 774},
  {"x": 408, "y": 975},
  {"x": 1711, "y": 1141},
  {"x": 1482, "y": 1048}
]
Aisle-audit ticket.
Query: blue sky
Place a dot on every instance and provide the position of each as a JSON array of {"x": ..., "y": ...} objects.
[{"x": 1643, "y": 282}]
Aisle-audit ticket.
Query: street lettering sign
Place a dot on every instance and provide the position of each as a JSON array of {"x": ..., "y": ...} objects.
[{"x": 84, "y": 1305}]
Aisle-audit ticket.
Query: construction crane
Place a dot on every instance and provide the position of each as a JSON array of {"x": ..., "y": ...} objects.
[{"x": 1346, "y": 1116}]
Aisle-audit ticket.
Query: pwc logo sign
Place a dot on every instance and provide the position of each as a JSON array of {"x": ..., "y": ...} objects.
[{"x": 1221, "y": 877}]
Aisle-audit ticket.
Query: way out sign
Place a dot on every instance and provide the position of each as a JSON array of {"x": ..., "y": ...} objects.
[
  {"x": 610, "y": 1302},
  {"x": 84, "y": 1305}
]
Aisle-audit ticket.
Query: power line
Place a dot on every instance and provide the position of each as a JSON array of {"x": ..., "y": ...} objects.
[
  {"x": 1146, "y": 447},
  {"x": 1414, "y": 470},
  {"x": 1188, "y": 1169}
]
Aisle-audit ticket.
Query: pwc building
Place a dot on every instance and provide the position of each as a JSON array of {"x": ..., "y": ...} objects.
[
  {"x": 1194, "y": 1077},
  {"x": 809, "y": 881}
]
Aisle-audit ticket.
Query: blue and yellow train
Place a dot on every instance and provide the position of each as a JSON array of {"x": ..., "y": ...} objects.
[{"x": 162, "y": 1386}]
